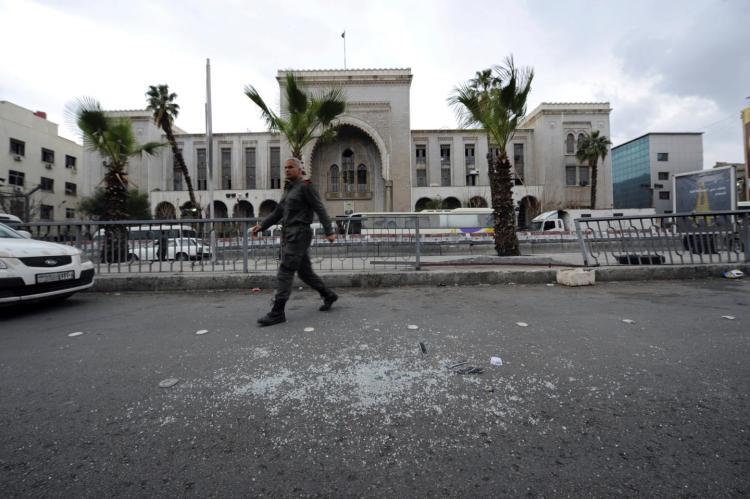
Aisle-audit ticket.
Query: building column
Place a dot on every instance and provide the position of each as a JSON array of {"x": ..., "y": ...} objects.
[{"x": 389, "y": 195}]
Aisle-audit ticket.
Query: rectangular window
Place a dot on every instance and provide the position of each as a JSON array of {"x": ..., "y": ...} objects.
[
  {"x": 494, "y": 152},
  {"x": 471, "y": 179},
  {"x": 445, "y": 155},
  {"x": 47, "y": 184},
  {"x": 469, "y": 156},
  {"x": 664, "y": 195},
  {"x": 249, "y": 168},
  {"x": 226, "y": 168},
  {"x": 17, "y": 147},
  {"x": 583, "y": 175},
  {"x": 176, "y": 174},
  {"x": 663, "y": 175},
  {"x": 201, "y": 164},
  {"x": 71, "y": 189},
  {"x": 70, "y": 161},
  {"x": 421, "y": 177},
  {"x": 48, "y": 155},
  {"x": 445, "y": 177},
  {"x": 46, "y": 212},
  {"x": 420, "y": 155},
  {"x": 662, "y": 156},
  {"x": 570, "y": 175},
  {"x": 70, "y": 213},
  {"x": 16, "y": 178},
  {"x": 275, "y": 162},
  {"x": 518, "y": 160}
]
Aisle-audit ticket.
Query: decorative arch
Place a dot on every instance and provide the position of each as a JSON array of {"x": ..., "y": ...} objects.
[
  {"x": 451, "y": 203},
  {"x": 220, "y": 210},
  {"x": 422, "y": 204},
  {"x": 347, "y": 170},
  {"x": 333, "y": 178},
  {"x": 362, "y": 178},
  {"x": 243, "y": 209},
  {"x": 528, "y": 208},
  {"x": 385, "y": 162},
  {"x": 165, "y": 211},
  {"x": 570, "y": 144},
  {"x": 266, "y": 208},
  {"x": 477, "y": 202}
]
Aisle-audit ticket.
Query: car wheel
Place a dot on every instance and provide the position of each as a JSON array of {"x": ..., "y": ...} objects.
[
  {"x": 132, "y": 258},
  {"x": 181, "y": 257}
]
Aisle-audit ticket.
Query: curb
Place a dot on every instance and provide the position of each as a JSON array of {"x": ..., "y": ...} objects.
[{"x": 431, "y": 277}]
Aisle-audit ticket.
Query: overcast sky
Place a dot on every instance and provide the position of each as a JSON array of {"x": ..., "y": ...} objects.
[{"x": 664, "y": 66}]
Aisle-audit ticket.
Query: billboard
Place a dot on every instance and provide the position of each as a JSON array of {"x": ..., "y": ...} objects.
[
  {"x": 746, "y": 136},
  {"x": 704, "y": 191}
]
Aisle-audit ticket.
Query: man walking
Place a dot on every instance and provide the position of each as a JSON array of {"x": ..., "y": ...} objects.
[{"x": 295, "y": 212}]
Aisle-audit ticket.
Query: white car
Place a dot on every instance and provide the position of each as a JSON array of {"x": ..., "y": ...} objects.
[
  {"x": 177, "y": 248},
  {"x": 35, "y": 270}
]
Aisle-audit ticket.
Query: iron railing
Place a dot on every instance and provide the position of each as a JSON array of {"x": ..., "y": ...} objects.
[{"x": 678, "y": 239}]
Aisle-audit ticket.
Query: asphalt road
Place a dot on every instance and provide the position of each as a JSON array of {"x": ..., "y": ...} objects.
[{"x": 583, "y": 405}]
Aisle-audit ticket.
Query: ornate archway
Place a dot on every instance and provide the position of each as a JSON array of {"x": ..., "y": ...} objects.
[
  {"x": 477, "y": 202},
  {"x": 243, "y": 209},
  {"x": 266, "y": 208},
  {"x": 528, "y": 208},
  {"x": 165, "y": 211},
  {"x": 450, "y": 203}
]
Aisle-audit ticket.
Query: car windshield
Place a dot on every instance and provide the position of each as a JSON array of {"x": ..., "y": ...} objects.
[{"x": 8, "y": 233}]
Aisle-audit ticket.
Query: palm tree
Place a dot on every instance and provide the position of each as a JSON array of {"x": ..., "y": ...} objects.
[
  {"x": 307, "y": 114},
  {"x": 496, "y": 100},
  {"x": 165, "y": 111},
  {"x": 114, "y": 140},
  {"x": 591, "y": 147}
]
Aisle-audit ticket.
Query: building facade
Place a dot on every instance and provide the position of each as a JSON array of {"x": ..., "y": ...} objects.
[
  {"x": 40, "y": 172},
  {"x": 643, "y": 168},
  {"x": 377, "y": 162}
]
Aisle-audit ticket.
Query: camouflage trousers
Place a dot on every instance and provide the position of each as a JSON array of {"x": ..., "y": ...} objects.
[{"x": 295, "y": 257}]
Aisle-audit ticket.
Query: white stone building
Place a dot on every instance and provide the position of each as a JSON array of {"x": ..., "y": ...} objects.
[
  {"x": 377, "y": 162},
  {"x": 40, "y": 172}
]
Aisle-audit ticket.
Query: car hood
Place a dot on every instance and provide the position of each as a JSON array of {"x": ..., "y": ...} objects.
[{"x": 21, "y": 248}]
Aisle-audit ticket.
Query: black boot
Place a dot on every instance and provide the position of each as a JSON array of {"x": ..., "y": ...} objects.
[
  {"x": 275, "y": 316},
  {"x": 328, "y": 300}
]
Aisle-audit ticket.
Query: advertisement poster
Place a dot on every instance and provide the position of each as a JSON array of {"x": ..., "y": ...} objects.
[{"x": 705, "y": 191}]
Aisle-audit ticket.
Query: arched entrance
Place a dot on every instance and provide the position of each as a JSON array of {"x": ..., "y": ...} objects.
[
  {"x": 423, "y": 204},
  {"x": 243, "y": 209},
  {"x": 165, "y": 211},
  {"x": 266, "y": 208},
  {"x": 451, "y": 203},
  {"x": 477, "y": 202},
  {"x": 528, "y": 208},
  {"x": 220, "y": 210}
]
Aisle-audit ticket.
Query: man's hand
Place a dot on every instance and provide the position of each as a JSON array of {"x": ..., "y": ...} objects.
[
  {"x": 331, "y": 237},
  {"x": 256, "y": 229}
]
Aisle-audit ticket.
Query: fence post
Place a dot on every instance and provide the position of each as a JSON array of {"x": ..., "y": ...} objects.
[
  {"x": 584, "y": 249},
  {"x": 746, "y": 230},
  {"x": 417, "y": 245},
  {"x": 245, "y": 267}
]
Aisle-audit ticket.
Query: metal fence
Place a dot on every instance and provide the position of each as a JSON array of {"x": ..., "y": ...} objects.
[
  {"x": 227, "y": 245},
  {"x": 680, "y": 239}
]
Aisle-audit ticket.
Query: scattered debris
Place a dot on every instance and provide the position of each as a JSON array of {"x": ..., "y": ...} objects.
[
  {"x": 168, "y": 383},
  {"x": 256, "y": 290},
  {"x": 309, "y": 329},
  {"x": 77, "y": 333},
  {"x": 470, "y": 370},
  {"x": 412, "y": 326},
  {"x": 202, "y": 331},
  {"x": 550, "y": 284},
  {"x": 496, "y": 361},
  {"x": 422, "y": 347},
  {"x": 489, "y": 389},
  {"x": 728, "y": 317},
  {"x": 734, "y": 274},
  {"x": 628, "y": 321},
  {"x": 376, "y": 330},
  {"x": 522, "y": 324},
  {"x": 576, "y": 277},
  {"x": 459, "y": 364},
  {"x": 300, "y": 288}
]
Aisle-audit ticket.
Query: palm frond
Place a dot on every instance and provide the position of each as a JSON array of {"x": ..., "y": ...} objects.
[
  {"x": 273, "y": 122},
  {"x": 150, "y": 148},
  {"x": 296, "y": 98}
]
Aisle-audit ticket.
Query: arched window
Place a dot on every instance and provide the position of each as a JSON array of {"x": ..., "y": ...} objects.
[
  {"x": 333, "y": 179},
  {"x": 347, "y": 169},
  {"x": 361, "y": 178},
  {"x": 570, "y": 145},
  {"x": 580, "y": 140}
]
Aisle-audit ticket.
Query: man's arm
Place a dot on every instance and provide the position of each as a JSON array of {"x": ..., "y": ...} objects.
[
  {"x": 270, "y": 220},
  {"x": 317, "y": 205}
]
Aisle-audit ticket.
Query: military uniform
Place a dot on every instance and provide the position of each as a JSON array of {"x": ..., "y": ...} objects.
[{"x": 295, "y": 212}]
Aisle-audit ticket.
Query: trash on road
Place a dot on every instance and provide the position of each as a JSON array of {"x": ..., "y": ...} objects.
[
  {"x": 77, "y": 333},
  {"x": 728, "y": 317},
  {"x": 470, "y": 370},
  {"x": 422, "y": 347},
  {"x": 168, "y": 383},
  {"x": 412, "y": 326},
  {"x": 734, "y": 274},
  {"x": 628, "y": 321},
  {"x": 522, "y": 324},
  {"x": 459, "y": 364},
  {"x": 201, "y": 331},
  {"x": 576, "y": 277},
  {"x": 550, "y": 284},
  {"x": 256, "y": 290},
  {"x": 496, "y": 361},
  {"x": 309, "y": 329}
]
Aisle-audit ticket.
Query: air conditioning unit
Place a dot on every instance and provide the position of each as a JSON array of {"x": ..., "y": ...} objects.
[
  {"x": 473, "y": 172},
  {"x": 17, "y": 157},
  {"x": 48, "y": 166}
]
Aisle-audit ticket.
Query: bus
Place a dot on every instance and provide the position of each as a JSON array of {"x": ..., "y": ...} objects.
[{"x": 459, "y": 222}]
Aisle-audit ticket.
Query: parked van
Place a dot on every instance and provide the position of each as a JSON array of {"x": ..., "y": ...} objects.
[{"x": 563, "y": 220}]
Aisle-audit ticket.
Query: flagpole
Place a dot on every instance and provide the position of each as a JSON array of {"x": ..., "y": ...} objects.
[{"x": 209, "y": 139}]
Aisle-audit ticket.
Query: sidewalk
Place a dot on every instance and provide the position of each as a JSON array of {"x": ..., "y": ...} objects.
[{"x": 436, "y": 271}]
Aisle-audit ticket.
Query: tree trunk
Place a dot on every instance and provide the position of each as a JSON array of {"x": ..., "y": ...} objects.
[
  {"x": 501, "y": 189},
  {"x": 592, "y": 164},
  {"x": 115, "y": 246},
  {"x": 182, "y": 166}
]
